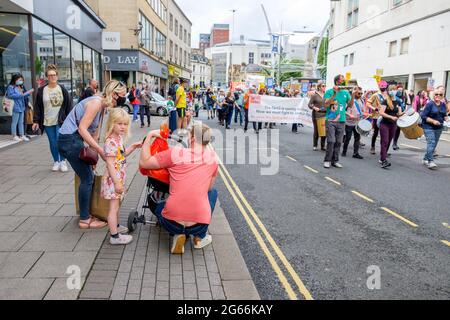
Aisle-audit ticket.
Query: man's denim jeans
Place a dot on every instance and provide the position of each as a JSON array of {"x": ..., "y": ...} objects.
[{"x": 199, "y": 230}]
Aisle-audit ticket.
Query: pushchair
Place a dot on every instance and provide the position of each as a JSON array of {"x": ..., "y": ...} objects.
[{"x": 157, "y": 192}]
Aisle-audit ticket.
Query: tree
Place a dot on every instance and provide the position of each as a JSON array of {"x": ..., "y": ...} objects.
[{"x": 322, "y": 60}]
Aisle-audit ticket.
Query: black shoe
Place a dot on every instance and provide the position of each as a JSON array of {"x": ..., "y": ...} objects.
[
  {"x": 344, "y": 154},
  {"x": 386, "y": 164},
  {"x": 396, "y": 148},
  {"x": 357, "y": 156},
  {"x": 389, "y": 155}
]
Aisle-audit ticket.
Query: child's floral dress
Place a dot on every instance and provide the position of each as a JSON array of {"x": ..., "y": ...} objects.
[{"x": 114, "y": 148}]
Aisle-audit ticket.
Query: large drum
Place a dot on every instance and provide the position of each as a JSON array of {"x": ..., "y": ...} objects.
[
  {"x": 364, "y": 128},
  {"x": 321, "y": 127},
  {"x": 410, "y": 126}
]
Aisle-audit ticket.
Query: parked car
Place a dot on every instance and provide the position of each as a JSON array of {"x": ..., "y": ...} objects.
[{"x": 158, "y": 105}]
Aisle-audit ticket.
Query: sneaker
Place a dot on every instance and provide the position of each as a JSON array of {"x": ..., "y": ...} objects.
[
  {"x": 63, "y": 166},
  {"x": 432, "y": 165},
  {"x": 24, "y": 138},
  {"x": 380, "y": 162},
  {"x": 372, "y": 151},
  {"x": 327, "y": 165},
  {"x": 425, "y": 162},
  {"x": 337, "y": 165},
  {"x": 122, "y": 230},
  {"x": 178, "y": 244},
  {"x": 16, "y": 138},
  {"x": 121, "y": 240},
  {"x": 315, "y": 149},
  {"x": 358, "y": 156},
  {"x": 396, "y": 148},
  {"x": 56, "y": 167},
  {"x": 201, "y": 243},
  {"x": 385, "y": 164},
  {"x": 344, "y": 154}
]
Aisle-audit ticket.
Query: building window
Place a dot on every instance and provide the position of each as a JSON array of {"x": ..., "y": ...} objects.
[
  {"x": 171, "y": 49},
  {"x": 160, "y": 44},
  {"x": 404, "y": 48},
  {"x": 176, "y": 27},
  {"x": 146, "y": 35},
  {"x": 181, "y": 56},
  {"x": 181, "y": 32},
  {"x": 63, "y": 60},
  {"x": 77, "y": 69},
  {"x": 251, "y": 57},
  {"x": 171, "y": 22},
  {"x": 346, "y": 60},
  {"x": 352, "y": 13},
  {"x": 351, "y": 59},
  {"x": 159, "y": 8},
  {"x": 189, "y": 39},
  {"x": 185, "y": 36},
  {"x": 392, "y": 48},
  {"x": 176, "y": 53},
  {"x": 87, "y": 65},
  {"x": 43, "y": 41},
  {"x": 96, "y": 65}
]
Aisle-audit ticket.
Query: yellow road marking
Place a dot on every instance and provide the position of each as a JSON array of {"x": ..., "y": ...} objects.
[
  {"x": 412, "y": 147},
  {"x": 311, "y": 169},
  {"x": 447, "y": 243},
  {"x": 362, "y": 196},
  {"x": 302, "y": 288},
  {"x": 260, "y": 240},
  {"x": 290, "y": 158},
  {"x": 334, "y": 181},
  {"x": 395, "y": 214}
]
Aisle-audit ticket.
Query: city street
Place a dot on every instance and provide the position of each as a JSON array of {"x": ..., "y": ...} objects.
[{"x": 329, "y": 228}]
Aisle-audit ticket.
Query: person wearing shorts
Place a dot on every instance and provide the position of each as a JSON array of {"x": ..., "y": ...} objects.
[{"x": 181, "y": 104}]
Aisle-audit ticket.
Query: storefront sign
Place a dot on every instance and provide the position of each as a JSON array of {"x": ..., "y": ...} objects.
[
  {"x": 152, "y": 67},
  {"x": 279, "y": 110},
  {"x": 129, "y": 60},
  {"x": 111, "y": 40},
  {"x": 174, "y": 71}
]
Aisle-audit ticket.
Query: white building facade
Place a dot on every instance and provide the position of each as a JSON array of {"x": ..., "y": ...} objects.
[
  {"x": 405, "y": 41},
  {"x": 179, "y": 43},
  {"x": 223, "y": 56},
  {"x": 201, "y": 71}
]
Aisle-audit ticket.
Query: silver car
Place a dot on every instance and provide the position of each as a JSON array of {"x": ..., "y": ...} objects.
[{"x": 158, "y": 105}]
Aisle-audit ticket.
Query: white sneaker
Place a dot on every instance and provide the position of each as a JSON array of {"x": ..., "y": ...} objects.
[
  {"x": 122, "y": 230},
  {"x": 63, "y": 166},
  {"x": 425, "y": 162},
  {"x": 16, "y": 138},
  {"x": 178, "y": 244},
  {"x": 201, "y": 243},
  {"x": 121, "y": 240},
  {"x": 56, "y": 167},
  {"x": 327, "y": 165},
  {"x": 338, "y": 165},
  {"x": 432, "y": 165},
  {"x": 24, "y": 138}
]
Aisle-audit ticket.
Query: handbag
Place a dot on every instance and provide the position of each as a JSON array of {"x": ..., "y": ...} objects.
[
  {"x": 8, "y": 105},
  {"x": 30, "y": 113},
  {"x": 88, "y": 154}
]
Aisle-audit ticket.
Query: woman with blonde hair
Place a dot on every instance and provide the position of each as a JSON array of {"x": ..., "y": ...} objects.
[{"x": 83, "y": 125}]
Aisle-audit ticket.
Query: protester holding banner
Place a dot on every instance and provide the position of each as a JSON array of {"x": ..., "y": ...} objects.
[
  {"x": 317, "y": 105},
  {"x": 337, "y": 100}
]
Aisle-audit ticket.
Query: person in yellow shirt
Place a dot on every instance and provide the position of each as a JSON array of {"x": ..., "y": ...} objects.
[{"x": 181, "y": 104}]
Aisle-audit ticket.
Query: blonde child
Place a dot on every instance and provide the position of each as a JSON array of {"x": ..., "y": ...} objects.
[{"x": 113, "y": 182}]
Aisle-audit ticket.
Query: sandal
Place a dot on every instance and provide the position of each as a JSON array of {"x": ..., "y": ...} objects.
[{"x": 93, "y": 223}]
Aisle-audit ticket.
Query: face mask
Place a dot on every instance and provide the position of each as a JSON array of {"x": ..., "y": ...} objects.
[
  {"x": 121, "y": 101},
  {"x": 19, "y": 83},
  {"x": 393, "y": 93},
  {"x": 383, "y": 89}
]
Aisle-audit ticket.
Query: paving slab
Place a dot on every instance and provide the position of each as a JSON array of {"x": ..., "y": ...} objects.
[
  {"x": 37, "y": 210},
  {"x": 17, "y": 264},
  {"x": 52, "y": 241},
  {"x": 13, "y": 241},
  {"x": 61, "y": 291},
  {"x": 24, "y": 289},
  {"x": 8, "y": 209},
  {"x": 10, "y": 223},
  {"x": 31, "y": 198},
  {"x": 44, "y": 224}
]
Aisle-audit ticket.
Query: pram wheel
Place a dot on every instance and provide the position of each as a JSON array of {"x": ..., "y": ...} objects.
[{"x": 133, "y": 218}]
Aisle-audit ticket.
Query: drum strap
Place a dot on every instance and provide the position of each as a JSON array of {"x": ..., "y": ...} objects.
[{"x": 358, "y": 108}]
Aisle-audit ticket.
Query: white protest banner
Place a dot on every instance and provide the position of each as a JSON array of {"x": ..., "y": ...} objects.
[
  {"x": 280, "y": 110},
  {"x": 255, "y": 80},
  {"x": 368, "y": 84}
]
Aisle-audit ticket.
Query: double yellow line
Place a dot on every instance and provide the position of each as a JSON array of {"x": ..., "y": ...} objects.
[{"x": 262, "y": 235}]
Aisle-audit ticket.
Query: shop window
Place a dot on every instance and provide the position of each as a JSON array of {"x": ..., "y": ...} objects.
[
  {"x": 62, "y": 61},
  {"x": 96, "y": 66},
  {"x": 87, "y": 65},
  {"x": 77, "y": 69},
  {"x": 43, "y": 49},
  {"x": 14, "y": 51}
]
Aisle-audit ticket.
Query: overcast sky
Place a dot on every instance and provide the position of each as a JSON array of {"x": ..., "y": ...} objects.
[{"x": 249, "y": 18}]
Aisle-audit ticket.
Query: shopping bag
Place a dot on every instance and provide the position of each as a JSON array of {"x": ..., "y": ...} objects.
[
  {"x": 99, "y": 206},
  {"x": 29, "y": 117},
  {"x": 8, "y": 105}
]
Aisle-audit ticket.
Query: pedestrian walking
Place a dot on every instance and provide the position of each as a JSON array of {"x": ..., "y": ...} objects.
[
  {"x": 433, "y": 117},
  {"x": 181, "y": 104},
  {"x": 317, "y": 105},
  {"x": 17, "y": 93},
  {"x": 390, "y": 112},
  {"x": 113, "y": 181},
  {"x": 135, "y": 102},
  {"x": 229, "y": 106},
  {"x": 374, "y": 105},
  {"x": 51, "y": 107},
  {"x": 420, "y": 101},
  {"x": 90, "y": 90},
  {"x": 402, "y": 97},
  {"x": 353, "y": 116},
  {"x": 82, "y": 125},
  {"x": 337, "y": 100},
  {"x": 146, "y": 100}
]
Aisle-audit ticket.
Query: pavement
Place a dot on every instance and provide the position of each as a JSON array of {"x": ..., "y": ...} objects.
[
  {"x": 43, "y": 252},
  {"x": 324, "y": 231}
]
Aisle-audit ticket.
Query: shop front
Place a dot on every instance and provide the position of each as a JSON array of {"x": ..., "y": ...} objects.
[
  {"x": 135, "y": 67},
  {"x": 32, "y": 36}
]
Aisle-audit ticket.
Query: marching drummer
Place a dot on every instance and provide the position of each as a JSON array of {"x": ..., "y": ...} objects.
[
  {"x": 374, "y": 105},
  {"x": 433, "y": 117},
  {"x": 353, "y": 116},
  {"x": 390, "y": 112}
]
